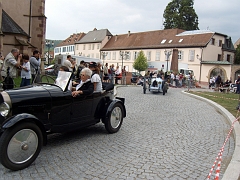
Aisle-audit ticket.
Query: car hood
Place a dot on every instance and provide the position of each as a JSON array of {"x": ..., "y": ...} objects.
[{"x": 37, "y": 97}]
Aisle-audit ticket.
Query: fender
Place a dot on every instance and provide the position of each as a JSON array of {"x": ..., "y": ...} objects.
[
  {"x": 21, "y": 117},
  {"x": 15, "y": 119},
  {"x": 110, "y": 107}
]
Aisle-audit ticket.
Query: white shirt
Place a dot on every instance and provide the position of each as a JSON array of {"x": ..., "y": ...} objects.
[
  {"x": 68, "y": 64},
  {"x": 80, "y": 84},
  {"x": 26, "y": 74},
  {"x": 117, "y": 72},
  {"x": 96, "y": 78}
]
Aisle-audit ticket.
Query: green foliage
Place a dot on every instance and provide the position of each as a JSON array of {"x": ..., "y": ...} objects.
[
  {"x": 180, "y": 14},
  {"x": 140, "y": 63},
  {"x": 237, "y": 55}
]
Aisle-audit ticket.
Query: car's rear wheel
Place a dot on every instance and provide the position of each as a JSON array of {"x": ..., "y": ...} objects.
[
  {"x": 20, "y": 145},
  {"x": 114, "y": 120},
  {"x": 164, "y": 89}
]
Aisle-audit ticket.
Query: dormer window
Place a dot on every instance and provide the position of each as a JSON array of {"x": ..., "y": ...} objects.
[
  {"x": 95, "y": 39},
  {"x": 170, "y": 41},
  {"x": 180, "y": 40},
  {"x": 163, "y": 41}
]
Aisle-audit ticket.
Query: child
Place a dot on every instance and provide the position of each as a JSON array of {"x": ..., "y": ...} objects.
[{"x": 25, "y": 72}]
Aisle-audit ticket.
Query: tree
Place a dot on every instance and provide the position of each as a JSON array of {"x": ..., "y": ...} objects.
[
  {"x": 237, "y": 55},
  {"x": 140, "y": 63},
  {"x": 180, "y": 14}
]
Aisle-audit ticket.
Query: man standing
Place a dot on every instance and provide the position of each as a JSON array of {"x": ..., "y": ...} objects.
[
  {"x": 35, "y": 63},
  {"x": 69, "y": 63},
  {"x": 238, "y": 85},
  {"x": 10, "y": 65}
]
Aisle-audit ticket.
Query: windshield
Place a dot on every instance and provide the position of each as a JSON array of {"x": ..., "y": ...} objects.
[{"x": 62, "y": 80}]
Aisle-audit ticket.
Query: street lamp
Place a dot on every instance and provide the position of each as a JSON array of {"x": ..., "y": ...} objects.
[
  {"x": 122, "y": 54},
  {"x": 49, "y": 45},
  {"x": 168, "y": 54},
  {"x": 104, "y": 55}
]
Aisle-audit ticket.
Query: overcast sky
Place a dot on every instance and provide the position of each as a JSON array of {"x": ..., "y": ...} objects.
[{"x": 65, "y": 17}]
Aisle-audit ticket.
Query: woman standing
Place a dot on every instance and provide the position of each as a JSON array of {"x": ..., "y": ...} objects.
[{"x": 95, "y": 79}]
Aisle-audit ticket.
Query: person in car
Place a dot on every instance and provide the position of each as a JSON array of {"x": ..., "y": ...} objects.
[
  {"x": 95, "y": 78},
  {"x": 85, "y": 86}
]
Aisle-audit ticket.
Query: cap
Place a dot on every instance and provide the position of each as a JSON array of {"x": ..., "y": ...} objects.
[{"x": 92, "y": 64}]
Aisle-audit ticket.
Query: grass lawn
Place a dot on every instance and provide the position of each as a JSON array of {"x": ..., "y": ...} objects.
[
  {"x": 44, "y": 79},
  {"x": 228, "y": 100}
]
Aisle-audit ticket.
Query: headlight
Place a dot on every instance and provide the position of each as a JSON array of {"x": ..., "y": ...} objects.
[{"x": 4, "y": 109}]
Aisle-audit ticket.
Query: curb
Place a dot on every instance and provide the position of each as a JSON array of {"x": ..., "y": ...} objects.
[{"x": 233, "y": 170}]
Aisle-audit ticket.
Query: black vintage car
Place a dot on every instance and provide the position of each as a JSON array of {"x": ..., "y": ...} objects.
[{"x": 29, "y": 114}]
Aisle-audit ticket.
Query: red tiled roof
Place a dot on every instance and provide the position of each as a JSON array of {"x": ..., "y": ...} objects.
[
  {"x": 72, "y": 39},
  {"x": 155, "y": 39}
]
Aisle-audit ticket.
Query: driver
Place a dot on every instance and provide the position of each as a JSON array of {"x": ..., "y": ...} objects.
[{"x": 85, "y": 86}]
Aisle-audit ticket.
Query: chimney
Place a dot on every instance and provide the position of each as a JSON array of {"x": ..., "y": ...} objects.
[
  {"x": 116, "y": 37},
  {"x": 128, "y": 33}
]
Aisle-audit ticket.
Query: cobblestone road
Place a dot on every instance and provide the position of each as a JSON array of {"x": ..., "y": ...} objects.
[{"x": 163, "y": 137}]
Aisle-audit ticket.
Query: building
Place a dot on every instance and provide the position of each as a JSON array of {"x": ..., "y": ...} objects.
[
  {"x": 68, "y": 45},
  {"x": 23, "y": 25},
  {"x": 207, "y": 53},
  {"x": 92, "y": 42}
]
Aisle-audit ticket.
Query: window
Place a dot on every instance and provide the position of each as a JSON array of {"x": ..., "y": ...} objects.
[
  {"x": 213, "y": 41},
  {"x": 98, "y": 46},
  {"x": 109, "y": 55},
  {"x": 77, "y": 46},
  {"x": 180, "y": 55},
  {"x": 128, "y": 56},
  {"x": 219, "y": 57},
  {"x": 89, "y": 47},
  {"x": 191, "y": 55},
  {"x": 228, "y": 57},
  {"x": 135, "y": 55},
  {"x": 158, "y": 56},
  {"x": 84, "y": 46},
  {"x": 73, "y": 48},
  {"x": 114, "y": 56},
  {"x": 163, "y": 41},
  {"x": 220, "y": 43},
  {"x": 64, "y": 49},
  {"x": 180, "y": 40},
  {"x": 93, "y": 47},
  {"x": 56, "y": 50},
  {"x": 149, "y": 55}
]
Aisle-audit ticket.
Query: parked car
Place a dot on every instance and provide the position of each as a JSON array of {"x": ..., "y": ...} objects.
[
  {"x": 28, "y": 114},
  {"x": 49, "y": 69},
  {"x": 135, "y": 76}
]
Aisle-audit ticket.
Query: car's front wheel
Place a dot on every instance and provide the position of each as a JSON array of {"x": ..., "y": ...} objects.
[
  {"x": 114, "y": 121},
  {"x": 20, "y": 145}
]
